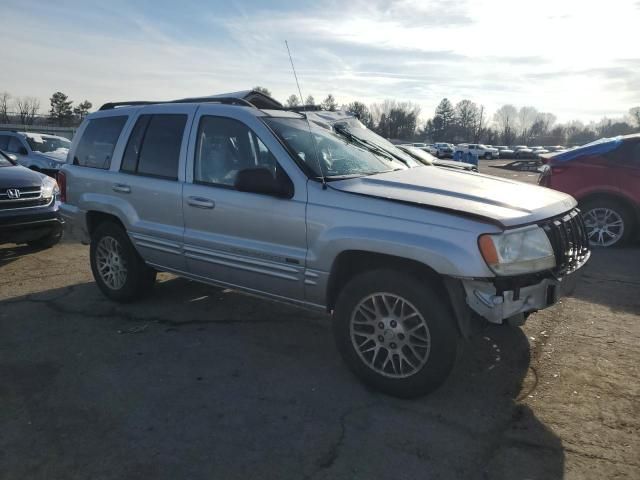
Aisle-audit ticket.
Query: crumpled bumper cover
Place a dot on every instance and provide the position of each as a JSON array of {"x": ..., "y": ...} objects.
[{"x": 483, "y": 297}]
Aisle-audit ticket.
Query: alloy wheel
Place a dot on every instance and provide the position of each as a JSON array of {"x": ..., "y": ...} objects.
[
  {"x": 390, "y": 335},
  {"x": 112, "y": 266},
  {"x": 604, "y": 226}
]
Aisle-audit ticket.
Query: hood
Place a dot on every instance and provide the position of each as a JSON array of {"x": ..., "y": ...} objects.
[
  {"x": 59, "y": 155},
  {"x": 492, "y": 199},
  {"x": 19, "y": 177}
]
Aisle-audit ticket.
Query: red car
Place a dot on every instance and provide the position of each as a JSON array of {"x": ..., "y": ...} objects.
[{"x": 604, "y": 177}]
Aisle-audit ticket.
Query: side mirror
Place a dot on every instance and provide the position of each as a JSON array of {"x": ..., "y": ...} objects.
[
  {"x": 22, "y": 151},
  {"x": 261, "y": 180}
]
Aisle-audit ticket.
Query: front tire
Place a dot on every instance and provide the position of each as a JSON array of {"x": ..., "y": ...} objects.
[
  {"x": 488, "y": 156},
  {"x": 117, "y": 268},
  {"x": 395, "y": 332},
  {"x": 608, "y": 223}
]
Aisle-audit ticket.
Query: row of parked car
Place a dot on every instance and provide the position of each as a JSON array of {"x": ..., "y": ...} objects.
[{"x": 488, "y": 152}]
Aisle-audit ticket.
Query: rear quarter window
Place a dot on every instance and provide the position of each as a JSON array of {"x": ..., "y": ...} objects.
[{"x": 98, "y": 141}]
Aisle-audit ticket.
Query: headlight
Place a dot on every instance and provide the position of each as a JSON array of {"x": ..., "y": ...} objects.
[
  {"x": 524, "y": 250},
  {"x": 49, "y": 187}
]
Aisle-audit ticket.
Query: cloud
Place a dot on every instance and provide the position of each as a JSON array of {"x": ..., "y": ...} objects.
[{"x": 489, "y": 51}]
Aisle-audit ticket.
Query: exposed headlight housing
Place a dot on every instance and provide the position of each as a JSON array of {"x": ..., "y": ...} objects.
[
  {"x": 49, "y": 188},
  {"x": 519, "y": 251}
]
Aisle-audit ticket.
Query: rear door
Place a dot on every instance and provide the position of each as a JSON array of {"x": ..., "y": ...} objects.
[
  {"x": 253, "y": 241},
  {"x": 151, "y": 181}
]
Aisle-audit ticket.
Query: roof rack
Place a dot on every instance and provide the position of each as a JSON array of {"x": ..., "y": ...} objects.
[
  {"x": 224, "y": 100},
  {"x": 304, "y": 108}
]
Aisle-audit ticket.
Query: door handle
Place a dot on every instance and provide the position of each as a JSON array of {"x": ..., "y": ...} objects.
[
  {"x": 200, "y": 202},
  {"x": 120, "y": 187}
]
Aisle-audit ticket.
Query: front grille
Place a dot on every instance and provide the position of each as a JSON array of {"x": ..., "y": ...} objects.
[
  {"x": 29, "y": 197},
  {"x": 568, "y": 237}
]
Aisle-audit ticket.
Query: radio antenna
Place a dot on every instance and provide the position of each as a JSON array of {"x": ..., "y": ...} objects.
[{"x": 313, "y": 139}]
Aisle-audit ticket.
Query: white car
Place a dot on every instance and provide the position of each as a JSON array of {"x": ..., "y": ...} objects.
[
  {"x": 37, "y": 151},
  {"x": 479, "y": 150}
]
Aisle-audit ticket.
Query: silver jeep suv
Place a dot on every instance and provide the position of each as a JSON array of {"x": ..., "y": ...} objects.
[{"x": 313, "y": 209}]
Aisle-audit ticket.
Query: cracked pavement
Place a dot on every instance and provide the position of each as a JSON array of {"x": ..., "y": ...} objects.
[{"x": 197, "y": 382}]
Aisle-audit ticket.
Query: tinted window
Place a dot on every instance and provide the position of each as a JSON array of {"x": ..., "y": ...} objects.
[
  {"x": 226, "y": 146},
  {"x": 160, "y": 151},
  {"x": 4, "y": 142},
  {"x": 15, "y": 145},
  {"x": 98, "y": 142},
  {"x": 132, "y": 152}
]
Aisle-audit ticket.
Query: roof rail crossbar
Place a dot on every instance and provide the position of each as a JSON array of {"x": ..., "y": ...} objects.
[
  {"x": 304, "y": 108},
  {"x": 224, "y": 100}
]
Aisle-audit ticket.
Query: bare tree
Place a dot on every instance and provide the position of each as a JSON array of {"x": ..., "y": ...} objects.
[
  {"x": 27, "y": 108},
  {"x": 310, "y": 100},
  {"x": 479, "y": 127},
  {"x": 635, "y": 115},
  {"x": 5, "y": 97},
  {"x": 507, "y": 122},
  {"x": 466, "y": 118},
  {"x": 526, "y": 118},
  {"x": 293, "y": 101}
]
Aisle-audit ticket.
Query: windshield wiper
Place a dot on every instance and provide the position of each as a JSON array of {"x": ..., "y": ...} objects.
[{"x": 369, "y": 145}]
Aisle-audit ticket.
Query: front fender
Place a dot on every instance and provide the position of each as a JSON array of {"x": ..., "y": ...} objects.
[{"x": 452, "y": 255}]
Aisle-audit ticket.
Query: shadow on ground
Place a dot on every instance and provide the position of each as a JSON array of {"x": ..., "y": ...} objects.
[
  {"x": 196, "y": 382},
  {"x": 14, "y": 252},
  {"x": 610, "y": 272}
]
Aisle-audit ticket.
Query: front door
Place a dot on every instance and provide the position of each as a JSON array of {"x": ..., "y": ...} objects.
[{"x": 253, "y": 241}]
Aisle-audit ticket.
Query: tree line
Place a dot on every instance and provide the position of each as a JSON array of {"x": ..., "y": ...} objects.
[
  {"x": 26, "y": 110},
  {"x": 466, "y": 121}
]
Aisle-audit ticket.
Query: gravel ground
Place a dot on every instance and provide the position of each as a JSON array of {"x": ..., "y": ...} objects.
[{"x": 197, "y": 382}]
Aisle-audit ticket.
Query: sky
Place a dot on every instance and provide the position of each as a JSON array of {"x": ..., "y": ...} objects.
[{"x": 579, "y": 59}]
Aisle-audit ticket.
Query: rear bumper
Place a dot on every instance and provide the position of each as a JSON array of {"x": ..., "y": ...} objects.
[{"x": 25, "y": 227}]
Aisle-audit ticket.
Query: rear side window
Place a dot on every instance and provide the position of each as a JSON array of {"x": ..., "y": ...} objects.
[
  {"x": 154, "y": 146},
  {"x": 15, "y": 145},
  {"x": 98, "y": 142}
]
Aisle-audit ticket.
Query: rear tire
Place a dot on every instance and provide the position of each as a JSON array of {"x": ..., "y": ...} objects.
[
  {"x": 605, "y": 219},
  {"x": 395, "y": 332},
  {"x": 119, "y": 271}
]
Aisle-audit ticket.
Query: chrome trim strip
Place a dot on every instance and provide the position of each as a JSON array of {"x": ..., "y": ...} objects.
[
  {"x": 238, "y": 258},
  {"x": 210, "y": 259},
  {"x": 44, "y": 205},
  {"x": 147, "y": 241},
  {"x": 250, "y": 291}
]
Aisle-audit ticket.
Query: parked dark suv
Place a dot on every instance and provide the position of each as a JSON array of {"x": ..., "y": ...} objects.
[
  {"x": 28, "y": 206},
  {"x": 604, "y": 177}
]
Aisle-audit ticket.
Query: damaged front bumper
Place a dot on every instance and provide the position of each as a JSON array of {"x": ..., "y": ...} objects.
[
  {"x": 486, "y": 300},
  {"x": 508, "y": 299}
]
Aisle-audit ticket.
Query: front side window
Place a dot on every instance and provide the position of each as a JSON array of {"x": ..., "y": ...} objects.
[
  {"x": 4, "y": 142},
  {"x": 154, "y": 146},
  {"x": 226, "y": 146},
  {"x": 98, "y": 141}
]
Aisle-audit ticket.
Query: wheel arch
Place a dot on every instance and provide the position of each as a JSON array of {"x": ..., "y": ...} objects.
[
  {"x": 350, "y": 263},
  {"x": 615, "y": 196},
  {"x": 95, "y": 217}
]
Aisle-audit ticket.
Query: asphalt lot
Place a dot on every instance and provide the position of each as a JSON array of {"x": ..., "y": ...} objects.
[{"x": 197, "y": 382}]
